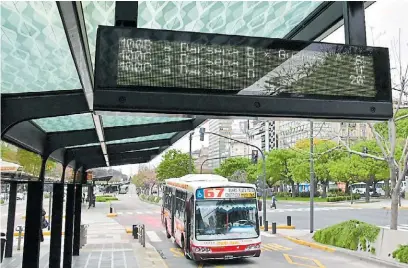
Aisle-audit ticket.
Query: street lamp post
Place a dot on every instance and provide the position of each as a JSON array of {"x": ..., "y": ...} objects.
[
  {"x": 191, "y": 153},
  {"x": 311, "y": 178},
  {"x": 202, "y": 131}
]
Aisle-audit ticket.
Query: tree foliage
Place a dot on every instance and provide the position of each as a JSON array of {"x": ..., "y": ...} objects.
[
  {"x": 175, "y": 164},
  {"x": 401, "y": 125},
  {"x": 277, "y": 166},
  {"x": 145, "y": 177},
  {"x": 232, "y": 165},
  {"x": 31, "y": 162}
]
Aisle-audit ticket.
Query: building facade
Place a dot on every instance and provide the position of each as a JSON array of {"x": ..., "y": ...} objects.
[
  {"x": 263, "y": 134},
  {"x": 219, "y": 147},
  {"x": 290, "y": 132}
]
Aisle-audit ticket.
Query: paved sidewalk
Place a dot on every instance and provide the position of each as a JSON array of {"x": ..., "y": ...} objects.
[{"x": 108, "y": 245}]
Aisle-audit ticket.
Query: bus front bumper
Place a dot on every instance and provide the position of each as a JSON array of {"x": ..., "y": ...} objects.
[{"x": 226, "y": 255}]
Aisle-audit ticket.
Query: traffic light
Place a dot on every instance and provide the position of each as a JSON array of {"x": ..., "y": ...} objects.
[
  {"x": 202, "y": 131},
  {"x": 254, "y": 156}
]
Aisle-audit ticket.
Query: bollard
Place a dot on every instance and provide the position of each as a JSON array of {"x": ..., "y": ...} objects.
[
  {"x": 260, "y": 220},
  {"x": 143, "y": 235},
  {"x": 110, "y": 209},
  {"x": 289, "y": 221},
  {"x": 19, "y": 230},
  {"x": 266, "y": 226},
  {"x": 273, "y": 227},
  {"x": 135, "y": 231}
]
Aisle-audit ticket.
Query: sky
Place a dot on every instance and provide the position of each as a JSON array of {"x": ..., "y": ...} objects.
[{"x": 385, "y": 21}]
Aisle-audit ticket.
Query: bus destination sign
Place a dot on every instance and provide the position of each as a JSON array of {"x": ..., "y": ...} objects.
[
  {"x": 212, "y": 63},
  {"x": 226, "y": 192}
]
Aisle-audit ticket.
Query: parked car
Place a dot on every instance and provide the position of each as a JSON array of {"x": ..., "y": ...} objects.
[{"x": 20, "y": 196}]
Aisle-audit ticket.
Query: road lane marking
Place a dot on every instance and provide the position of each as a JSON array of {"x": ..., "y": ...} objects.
[
  {"x": 130, "y": 213},
  {"x": 177, "y": 252},
  {"x": 273, "y": 247},
  {"x": 304, "y": 260},
  {"x": 153, "y": 236}
]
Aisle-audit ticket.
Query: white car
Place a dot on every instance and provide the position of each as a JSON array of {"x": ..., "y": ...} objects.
[{"x": 20, "y": 196}]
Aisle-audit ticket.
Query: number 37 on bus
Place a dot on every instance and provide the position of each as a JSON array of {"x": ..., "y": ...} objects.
[{"x": 212, "y": 218}]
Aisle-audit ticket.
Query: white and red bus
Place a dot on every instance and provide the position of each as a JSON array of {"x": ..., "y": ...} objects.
[{"x": 210, "y": 217}]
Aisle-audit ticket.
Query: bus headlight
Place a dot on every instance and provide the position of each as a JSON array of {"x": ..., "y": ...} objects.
[
  {"x": 202, "y": 249},
  {"x": 253, "y": 247}
]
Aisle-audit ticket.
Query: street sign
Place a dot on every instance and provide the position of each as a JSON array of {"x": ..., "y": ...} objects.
[{"x": 202, "y": 131}]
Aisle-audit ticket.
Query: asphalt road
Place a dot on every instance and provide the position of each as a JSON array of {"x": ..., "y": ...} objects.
[
  {"x": 328, "y": 215},
  {"x": 276, "y": 249}
]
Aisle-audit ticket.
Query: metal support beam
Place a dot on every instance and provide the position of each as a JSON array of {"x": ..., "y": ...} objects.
[
  {"x": 126, "y": 13},
  {"x": 124, "y": 147},
  {"x": 28, "y": 136},
  {"x": 16, "y": 108},
  {"x": 139, "y": 160},
  {"x": 134, "y": 154},
  {"x": 324, "y": 20},
  {"x": 56, "y": 227},
  {"x": 31, "y": 252},
  {"x": 354, "y": 23},
  {"x": 138, "y": 99},
  {"x": 72, "y": 138},
  {"x": 10, "y": 220},
  {"x": 69, "y": 224},
  {"x": 77, "y": 218}
]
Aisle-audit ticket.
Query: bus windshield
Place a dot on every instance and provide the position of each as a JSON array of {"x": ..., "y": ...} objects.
[{"x": 226, "y": 219}]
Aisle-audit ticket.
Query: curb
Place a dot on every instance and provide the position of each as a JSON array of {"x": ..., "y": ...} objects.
[
  {"x": 371, "y": 259},
  {"x": 111, "y": 215},
  {"x": 286, "y": 227},
  {"x": 45, "y": 233},
  {"x": 399, "y": 208},
  {"x": 146, "y": 201},
  {"x": 310, "y": 244}
]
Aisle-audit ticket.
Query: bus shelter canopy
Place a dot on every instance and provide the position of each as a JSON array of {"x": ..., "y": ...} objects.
[{"x": 48, "y": 62}]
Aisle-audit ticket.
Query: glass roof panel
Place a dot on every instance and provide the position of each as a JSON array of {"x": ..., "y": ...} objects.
[
  {"x": 128, "y": 120},
  {"x": 35, "y": 55},
  {"x": 66, "y": 123},
  {"x": 144, "y": 138},
  {"x": 251, "y": 18}
]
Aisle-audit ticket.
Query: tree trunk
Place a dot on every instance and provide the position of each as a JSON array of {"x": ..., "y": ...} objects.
[
  {"x": 387, "y": 188},
  {"x": 367, "y": 193},
  {"x": 394, "y": 196},
  {"x": 394, "y": 209},
  {"x": 324, "y": 189},
  {"x": 347, "y": 190},
  {"x": 297, "y": 188},
  {"x": 292, "y": 184}
]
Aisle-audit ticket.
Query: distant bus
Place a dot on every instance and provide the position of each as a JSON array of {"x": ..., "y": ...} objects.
[
  {"x": 211, "y": 218},
  {"x": 124, "y": 189}
]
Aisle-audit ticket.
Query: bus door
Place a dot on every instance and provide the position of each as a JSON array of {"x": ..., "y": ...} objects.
[
  {"x": 188, "y": 221},
  {"x": 173, "y": 210}
]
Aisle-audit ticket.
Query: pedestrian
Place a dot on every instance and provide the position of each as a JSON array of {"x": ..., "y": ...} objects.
[
  {"x": 44, "y": 224},
  {"x": 83, "y": 197},
  {"x": 273, "y": 205}
]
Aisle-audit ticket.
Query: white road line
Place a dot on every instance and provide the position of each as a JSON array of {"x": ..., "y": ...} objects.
[
  {"x": 130, "y": 213},
  {"x": 139, "y": 212},
  {"x": 119, "y": 213},
  {"x": 153, "y": 236}
]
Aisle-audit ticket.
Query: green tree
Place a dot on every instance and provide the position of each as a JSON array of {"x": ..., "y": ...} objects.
[
  {"x": 344, "y": 170},
  {"x": 277, "y": 167},
  {"x": 7, "y": 153},
  {"x": 175, "y": 164},
  {"x": 401, "y": 125},
  {"x": 231, "y": 165},
  {"x": 253, "y": 172},
  {"x": 31, "y": 162}
]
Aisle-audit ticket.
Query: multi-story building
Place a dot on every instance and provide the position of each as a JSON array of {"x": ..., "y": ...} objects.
[
  {"x": 290, "y": 132},
  {"x": 263, "y": 134},
  {"x": 219, "y": 147}
]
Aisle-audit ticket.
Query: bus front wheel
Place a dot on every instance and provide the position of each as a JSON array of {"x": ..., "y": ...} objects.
[{"x": 167, "y": 232}]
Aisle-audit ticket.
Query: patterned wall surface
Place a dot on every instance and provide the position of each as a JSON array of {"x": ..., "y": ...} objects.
[
  {"x": 34, "y": 50},
  {"x": 128, "y": 120},
  {"x": 66, "y": 123},
  {"x": 250, "y": 18},
  {"x": 145, "y": 138}
]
